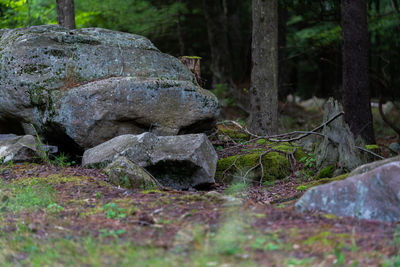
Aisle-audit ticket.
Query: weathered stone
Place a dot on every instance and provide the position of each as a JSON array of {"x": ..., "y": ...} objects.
[
  {"x": 374, "y": 195},
  {"x": 123, "y": 172},
  {"x": 180, "y": 162},
  {"x": 22, "y": 148},
  {"x": 83, "y": 87},
  {"x": 373, "y": 165},
  {"x": 395, "y": 148}
]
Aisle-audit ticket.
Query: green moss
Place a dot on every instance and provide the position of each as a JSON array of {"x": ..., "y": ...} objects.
[
  {"x": 325, "y": 181},
  {"x": 233, "y": 133},
  {"x": 57, "y": 179},
  {"x": 371, "y": 147},
  {"x": 192, "y": 57},
  {"x": 275, "y": 166},
  {"x": 150, "y": 191},
  {"x": 289, "y": 148},
  {"x": 275, "y": 163},
  {"x": 33, "y": 195},
  {"x": 326, "y": 172}
]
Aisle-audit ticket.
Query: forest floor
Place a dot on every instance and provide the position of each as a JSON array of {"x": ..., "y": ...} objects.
[{"x": 71, "y": 216}]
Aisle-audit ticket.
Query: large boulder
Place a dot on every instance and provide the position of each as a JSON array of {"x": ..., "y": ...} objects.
[
  {"x": 80, "y": 88},
  {"x": 180, "y": 162},
  {"x": 372, "y": 195},
  {"x": 26, "y": 148}
]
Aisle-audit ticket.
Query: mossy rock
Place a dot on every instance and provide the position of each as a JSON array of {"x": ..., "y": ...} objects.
[
  {"x": 275, "y": 164},
  {"x": 234, "y": 133}
]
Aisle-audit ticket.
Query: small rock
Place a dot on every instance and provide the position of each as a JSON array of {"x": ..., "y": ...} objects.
[
  {"x": 395, "y": 148},
  {"x": 22, "y": 148},
  {"x": 125, "y": 173}
]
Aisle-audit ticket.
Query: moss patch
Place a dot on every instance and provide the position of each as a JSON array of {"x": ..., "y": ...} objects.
[
  {"x": 275, "y": 166},
  {"x": 233, "y": 133},
  {"x": 324, "y": 181},
  {"x": 326, "y": 172}
]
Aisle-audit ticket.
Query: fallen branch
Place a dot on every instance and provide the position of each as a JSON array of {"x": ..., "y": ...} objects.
[
  {"x": 370, "y": 152},
  {"x": 271, "y": 137}
]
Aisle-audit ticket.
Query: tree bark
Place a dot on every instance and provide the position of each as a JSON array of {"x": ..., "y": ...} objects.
[
  {"x": 66, "y": 13},
  {"x": 283, "y": 89},
  {"x": 218, "y": 39},
  {"x": 356, "y": 94},
  {"x": 264, "y": 75}
]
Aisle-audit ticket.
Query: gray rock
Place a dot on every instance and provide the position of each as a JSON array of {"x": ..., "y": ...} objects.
[
  {"x": 395, "y": 148},
  {"x": 374, "y": 195},
  {"x": 373, "y": 165},
  {"x": 83, "y": 87},
  {"x": 123, "y": 172},
  {"x": 180, "y": 162},
  {"x": 7, "y": 136},
  {"x": 22, "y": 149}
]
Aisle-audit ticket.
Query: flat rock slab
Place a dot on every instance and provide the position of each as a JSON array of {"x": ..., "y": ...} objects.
[
  {"x": 82, "y": 87},
  {"x": 180, "y": 162},
  {"x": 372, "y": 195},
  {"x": 26, "y": 148}
]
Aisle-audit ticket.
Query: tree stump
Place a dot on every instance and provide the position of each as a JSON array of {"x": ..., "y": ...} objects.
[
  {"x": 193, "y": 64},
  {"x": 339, "y": 146}
]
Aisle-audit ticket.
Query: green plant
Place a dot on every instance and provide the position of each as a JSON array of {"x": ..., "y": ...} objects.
[
  {"x": 62, "y": 161},
  {"x": 113, "y": 211},
  {"x": 112, "y": 233},
  {"x": 396, "y": 237},
  {"x": 236, "y": 188},
  {"x": 15, "y": 197},
  {"x": 54, "y": 208},
  {"x": 309, "y": 160},
  {"x": 340, "y": 257},
  {"x": 269, "y": 183},
  {"x": 268, "y": 242},
  {"x": 302, "y": 188},
  {"x": 41, "y": 149},
  {"x": 298, "y": 262}
]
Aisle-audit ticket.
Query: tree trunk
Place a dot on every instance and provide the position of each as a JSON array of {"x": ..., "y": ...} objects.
[
  {"x": 66, "y": 13},
  {"x": 218, "y": 38},
  {"x": 264, "y": 75},
  {"x": 356, "y": 95},
  {"x": 283, "y": 89}
]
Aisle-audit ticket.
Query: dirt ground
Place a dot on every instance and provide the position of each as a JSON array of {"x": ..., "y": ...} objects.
[
  {"x": 71, "y": 216},
  {"x": 253, "y": 226}
]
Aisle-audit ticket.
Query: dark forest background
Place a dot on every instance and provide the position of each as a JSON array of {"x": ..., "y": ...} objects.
[{"x": 310, "y": 37}]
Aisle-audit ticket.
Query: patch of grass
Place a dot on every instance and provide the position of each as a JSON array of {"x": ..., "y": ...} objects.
[
  {"x": 299, "y": 262},
  {"x": 112, "y": 233},
  {"x": 16, "y": 197},
  {"x": 113, "y": 211},
  {"x": 62, "y": 161},
  {"x": 236, "y": 189},
  {"x": 267, "y": 242},
  {"x": 54, "y": 208}
]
